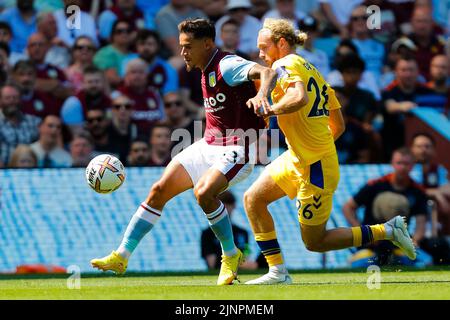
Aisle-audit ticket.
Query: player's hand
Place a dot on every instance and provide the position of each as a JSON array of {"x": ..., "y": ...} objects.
[{"x": 260, "y": 106}]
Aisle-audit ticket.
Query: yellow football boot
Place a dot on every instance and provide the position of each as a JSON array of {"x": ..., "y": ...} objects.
[
  {"x": 113, "y": 262},
  {"x": 229, "y": 267}
]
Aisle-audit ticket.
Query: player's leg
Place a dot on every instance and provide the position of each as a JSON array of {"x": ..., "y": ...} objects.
[
  {"x": 277, "y": 180},
  {"x": 316, "y": 197},
  {"x": 174, "y": 180},
  {"x": 256, "y": 201}
]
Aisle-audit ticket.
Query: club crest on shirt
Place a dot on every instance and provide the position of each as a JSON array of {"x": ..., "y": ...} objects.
[
  {"x": 52, "y": 73},
  {"x": 212, "y": 79},
  {"x": 158, "y": 78},
  {"x": 151, "y": 103},
  {"x": 38, "y": 105}
]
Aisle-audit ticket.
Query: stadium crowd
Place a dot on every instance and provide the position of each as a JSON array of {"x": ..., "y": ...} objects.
[{"x": 111, "y": 78}]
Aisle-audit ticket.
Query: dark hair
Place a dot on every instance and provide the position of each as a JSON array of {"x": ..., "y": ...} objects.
[
  {"x": 199, "y": 28},
  {"x": 159, "y": 125},
  {"x": 83, "y": 37},
  {"x": 24, "y": 65},
  {"x": 227, "y": 197},
  {"x": 83, "y": 134},
  {"x": 230, "y": 21},
  {"x": 347, "y": 43},
  {"x": 115, "y": 24},
  {"x": 404, "y": 151},
  {"x": 91, "y": 69},
  {"x": 6, "y": 26},
  {"x": 350, "y": 61},
  {"x": 4, "y": 46},
  {"x": 144, "y": 34},
  {"x": 426, "y": 135},
  {"x": 406, "y": 57}
]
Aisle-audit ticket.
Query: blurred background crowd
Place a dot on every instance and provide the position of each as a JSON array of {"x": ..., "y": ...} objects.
[{"x": 111, "y": 78}]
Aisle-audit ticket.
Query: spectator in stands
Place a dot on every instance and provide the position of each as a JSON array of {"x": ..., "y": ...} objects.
[
  {"x": 398, "y": 100},
  {"x": 368, "y": 80},
  {"x": 402, "y": 47},
  {"x": 239, "y": 10},
  {"x": 360, "y": 143},
  {"x": 81, "y": 149},
  {"x": 423, "y": 148},
  {"x": 91, "y": 96},
  {"x": 382, "y": 199},
  {"x": 15, "y": 127},
  {"x": 337, "y": 14},
  {"x": 370, "y": 50},
  {"x": 125, "y": 10},
  {"x": 4, "y": 63},
  {"x": 229, "y": 34},
  {"x": 122, "y": 130},
  {"x": 98, "y": 127},
  {"x": 260, "y": 8},
  {"x": 5, "y": 37},
  {"x": 139, "y": 155},
  {"x": 148, "y": 107},
  {"x": 317, "y": 57},
  {"x": 167, "y": 20},
  {"x": 23, "y": 157},
  {"x": 178, "y": 118},
  {"x": 439, "y": 78},
  {"x": 83, "y": 52},
  {"x": 50, "y": 78},
  {"x": 22, "y": 19},
  {"x": 33, "y": 101},
  {"x": 72, "y": 23},
  {"x": 111, "y": 57},
  {"x": 161, "y": 75},
  {"x": 191, "y": 92},
  {"x": 160, "y": 145},
  {"x": 386, "y": 31},
  {"x": 214, "y": 9},
  {"x": 424, "y": 37},
  {"x": 58, "y": 53},
  {"x": 48, "y": 148},
  {"x": 285, "y": 9},
  {"x": 210, "y": 247}
]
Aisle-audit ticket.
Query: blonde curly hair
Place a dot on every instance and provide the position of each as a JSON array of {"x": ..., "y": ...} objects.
[{"x": 282, "y": 28}]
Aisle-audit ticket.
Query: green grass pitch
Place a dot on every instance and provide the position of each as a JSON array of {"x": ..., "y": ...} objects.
[{"x": 308, "y": 285}]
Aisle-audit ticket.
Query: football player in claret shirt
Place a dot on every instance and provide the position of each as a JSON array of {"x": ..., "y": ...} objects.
[
  {"x": 220, "y": 159},
  {"x": 309, "y": 115}
]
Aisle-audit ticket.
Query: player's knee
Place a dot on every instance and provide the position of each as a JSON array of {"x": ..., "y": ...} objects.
[
  {"x": 203, "y": 194},
  {"x": 249, "y": 200},
  {"x": 156, "y": 197},
  {"x": 314, "y": 246}
]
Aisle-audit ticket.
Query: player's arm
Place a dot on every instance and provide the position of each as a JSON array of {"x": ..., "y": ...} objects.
[
  {"x": 419, "y": 233},
  {"x": 268, "y": 77},
  {"x": 294, "y": 99},
  {"x": 337, "y": 123}
]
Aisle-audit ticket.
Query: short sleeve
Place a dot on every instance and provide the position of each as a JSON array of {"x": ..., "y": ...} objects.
[
  {"x": 235, "y": 69},
  {"x": 333, "y": 102}
]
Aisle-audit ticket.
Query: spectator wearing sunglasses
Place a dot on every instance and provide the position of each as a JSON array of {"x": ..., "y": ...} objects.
[
  {"x": 121, "y": 10},
  {"x": 178, "y": 118},
  {"x": 91, "y": 96},
  {"x": 98, "y": 126},
  {"x": 83, "y": 52},
  {"x": 111, "y": 57},
  {"x": 369, "y": 49},
  {"x": 122, "y": 131},
  {"x": 148, "y": 107}
]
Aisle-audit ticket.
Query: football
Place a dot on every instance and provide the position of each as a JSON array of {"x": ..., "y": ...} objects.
[{"x": 105, "y": 173}]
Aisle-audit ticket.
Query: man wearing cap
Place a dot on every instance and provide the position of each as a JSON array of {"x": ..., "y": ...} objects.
[{"x": 239, "y": 10}]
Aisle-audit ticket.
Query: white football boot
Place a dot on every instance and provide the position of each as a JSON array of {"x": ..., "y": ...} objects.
[
  {"x": 401, "y": 236},
  {"x": 272, "y": 277}
]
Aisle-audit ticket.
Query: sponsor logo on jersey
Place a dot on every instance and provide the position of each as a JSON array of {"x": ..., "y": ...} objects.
[{"x": 212, "y": 79}]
